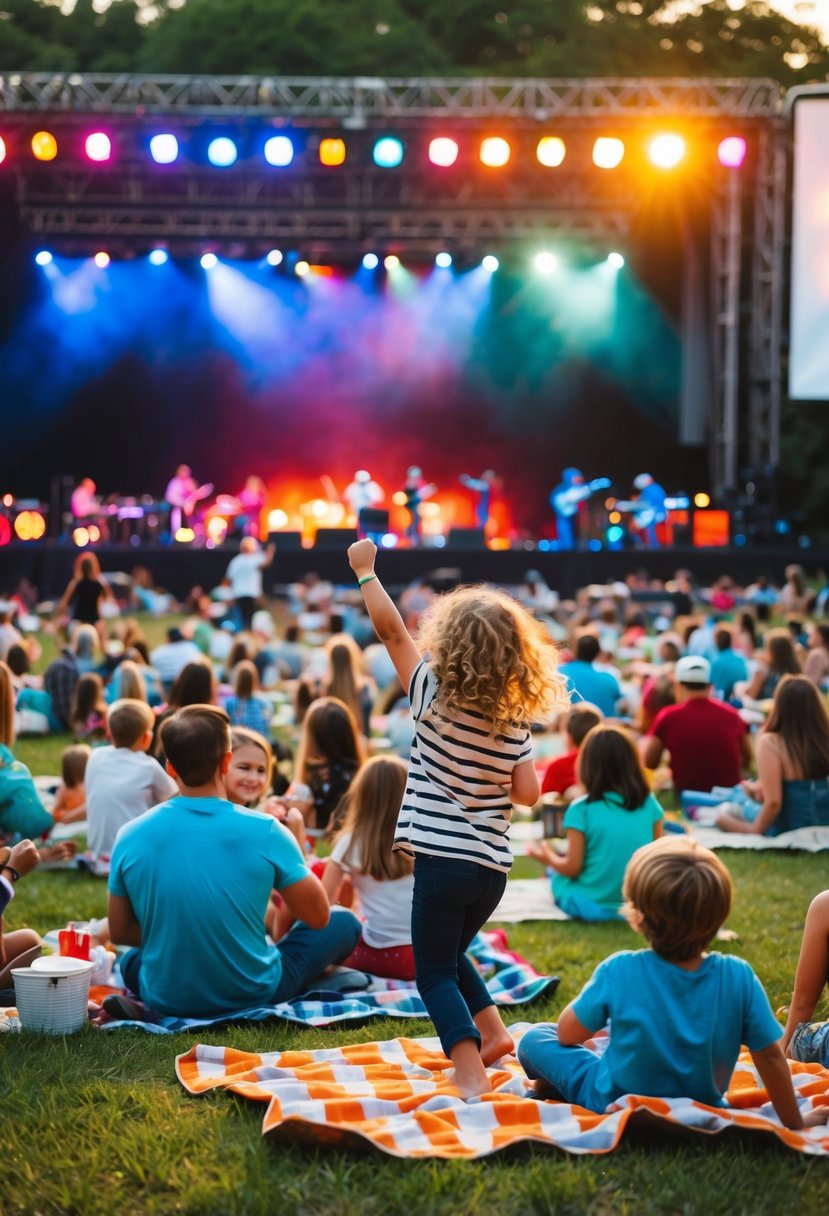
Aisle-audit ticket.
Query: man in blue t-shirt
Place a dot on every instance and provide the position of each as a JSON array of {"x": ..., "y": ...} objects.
[
  {"x": 189, "y": 886},
  {"x": 585, "y": 682}
]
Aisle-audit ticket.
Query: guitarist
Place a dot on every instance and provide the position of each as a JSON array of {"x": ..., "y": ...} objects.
[
  {"x": 567, "y": 499},
  {"x": 647, "y": 508},
  {"x": 183, "y": 493}
]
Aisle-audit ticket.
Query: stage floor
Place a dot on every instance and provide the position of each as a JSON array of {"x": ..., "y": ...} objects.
[{"x": 178, "y": 568}]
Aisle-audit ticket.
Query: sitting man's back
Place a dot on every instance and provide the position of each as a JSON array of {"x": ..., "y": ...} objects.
[{"x": 190, "y": 883}]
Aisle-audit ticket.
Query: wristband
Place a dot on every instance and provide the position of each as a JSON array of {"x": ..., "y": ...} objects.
[
  {"x": 365, "y": 579},
  {"x": 14, "y": 873}
]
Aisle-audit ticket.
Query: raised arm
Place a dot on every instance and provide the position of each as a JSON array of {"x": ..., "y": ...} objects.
[
  {"x": 66, "y": 598},
  {"x": 387, "y": 621}
]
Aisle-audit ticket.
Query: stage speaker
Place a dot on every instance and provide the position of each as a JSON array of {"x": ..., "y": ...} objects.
[
  {"x": 335, "y": 538},
  {"x": 374, "y": 519},
  {"x": 466, "y": 538},
  {"x": 286, "y": 542}
]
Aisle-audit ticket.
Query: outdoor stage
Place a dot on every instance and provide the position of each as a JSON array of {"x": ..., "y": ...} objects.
[{"x": 179, "y": 568}]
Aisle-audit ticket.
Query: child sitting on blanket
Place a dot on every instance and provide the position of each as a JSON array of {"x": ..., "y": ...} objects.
[
  {"x": 560, "y": 777},
  {"x": 70, "y": 799},
  {"x": 616, "y": 816},
  {"x": 805, "y": 1040},
  {"x": 383, "y": 880},
  {"x": 677, "y": 1014}
]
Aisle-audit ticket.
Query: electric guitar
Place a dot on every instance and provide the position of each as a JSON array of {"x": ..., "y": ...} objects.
[{"x": 566, "y": 502}]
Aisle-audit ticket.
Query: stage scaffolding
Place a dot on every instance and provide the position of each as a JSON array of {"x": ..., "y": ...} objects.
[{"x": 129, "y": 205}]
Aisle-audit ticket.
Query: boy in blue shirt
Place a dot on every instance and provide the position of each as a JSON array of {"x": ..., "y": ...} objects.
[
  {"x": 190, "y": 882},
  {"x": 678, "y": 1015}
]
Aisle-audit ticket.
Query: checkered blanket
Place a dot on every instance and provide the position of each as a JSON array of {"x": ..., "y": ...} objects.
[
  {"x": 396, "y": 1097},
  {"x": 510, "y": 979}
]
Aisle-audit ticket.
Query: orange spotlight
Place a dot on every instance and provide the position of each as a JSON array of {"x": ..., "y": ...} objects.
[
  {"x": 608, "y": 152},
  {"x": 29, "y": 525},
  {"x": 666, "y": 150},
  {"x": 44, "y": 145},
  {"x": 495, "y": 152},
  {"x": 332, "y": 151},
  {"x": 550, "y": 151}
]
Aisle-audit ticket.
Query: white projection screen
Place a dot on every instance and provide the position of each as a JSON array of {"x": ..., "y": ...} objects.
[{"x": 809, "y": 324}]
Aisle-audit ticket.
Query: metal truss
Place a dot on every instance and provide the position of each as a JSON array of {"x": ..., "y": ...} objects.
[
  {"x": 725, "y": 333},
  {"x": 361, "y": 99}
]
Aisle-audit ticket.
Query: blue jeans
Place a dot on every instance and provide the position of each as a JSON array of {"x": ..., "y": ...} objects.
[
  {"x": 452, "y": 900},
  {"x": 305, "y": 954},
  {"x": 568, "y": 1071}
]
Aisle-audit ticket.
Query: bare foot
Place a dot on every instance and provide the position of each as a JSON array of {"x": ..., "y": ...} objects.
[
  {"x": 469, "y": 1074},
  {"x": 493, "y": 1047},
  {"x": 472, "y": 1086}
]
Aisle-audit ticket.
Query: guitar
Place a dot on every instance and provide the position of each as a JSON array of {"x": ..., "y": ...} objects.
[
  {"x": 566, "y": 502},
  {"x": 644, "y": 513},
  {"x": 201, "y": 492}
]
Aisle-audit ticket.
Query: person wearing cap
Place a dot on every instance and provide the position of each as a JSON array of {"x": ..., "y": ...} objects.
[
  {"x": 707, "y": 741},
  {"x": 650, "y": 500}
]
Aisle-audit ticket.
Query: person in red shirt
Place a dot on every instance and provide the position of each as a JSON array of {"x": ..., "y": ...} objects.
[
  {"x": 561, "y": 772},
  {"x": 707, "y": 740}
]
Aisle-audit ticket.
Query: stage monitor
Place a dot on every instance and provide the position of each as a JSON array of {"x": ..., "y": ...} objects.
[
  {"x": 286, "y": 542},
  {"x": 466, "y": 538},
  {"x": 335, "y": 538},
  {"x": 809, "y": 341}
]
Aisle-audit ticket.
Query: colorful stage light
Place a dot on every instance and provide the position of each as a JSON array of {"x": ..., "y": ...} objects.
[
  {"x": 332, "y": 152},
  {"x": 443, "y": 260},
  {"x": 279, "y": 151},
  {"x": 274, "y": 257},
  {"x": 29, "y": 525},
  {"x": 5, "y": 530},
  {"x": 164, "y": 148},
  {"x": 666, "y": 150},
  {"x": 490, "y": 263},
  {"x": 550, "y": 151},
  {"x": 608, "y": 152},
  {"x": 443, "y": 152},
  {"x": 98, "y": 146},
  {"x": 185, "y": 536},
  {"x": 702, "y": 500},
  {"x": 615, "y": 260},
  {"x": 80, "y": 537},
  {"x": 2, "y": 150},
  {"x": 44, "y": 145},
  {"x": 545, "y": 262},
  {"x": 495, "y": 152},
  {"x": 302, "y": 269},
  {"x": 388, "y": 152},
  {"x": 102, "y": 259},
  {"x": 391, "y": 261},
  {"x": 208, "y": 261},
  {"x": 158, "y": 257},
  {"x": 277, "y": 519},
  {"x": 43, "y": 257},
  {"x": 370, "y": 261},
  {"x": 222, "y": 152},
  {"x": 732, "y": 151}
]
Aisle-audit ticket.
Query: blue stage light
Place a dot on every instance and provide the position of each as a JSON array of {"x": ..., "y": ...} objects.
[
  {"x": 370, "y": 261},
  {"x": 158, "y": 257},
  {"x": 490, "y": 263},
  {"x": 615, "y": 260},
  {"x": 614, "y": 536},
  {"x": 222, "y": 152},
  {"x": 595, "y": 546},
  {"x": 279, "y": 151},
  {"x": 43, "y": 257},
  {"x": 274, "y": 257},
  {"x": 388, "y": 152},
  {"x": 443, "y": 260},
  {"x": 208, "y": 261},
  {"x": 164, "y": 149}
]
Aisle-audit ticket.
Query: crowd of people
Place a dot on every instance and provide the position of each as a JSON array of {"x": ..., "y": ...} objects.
[{"x": 330, "y": 781}]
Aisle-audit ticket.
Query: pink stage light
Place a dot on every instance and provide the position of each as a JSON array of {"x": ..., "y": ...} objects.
[
  {"x": 443, "y": 152},
  {"x": 98, "y": 146},
  {"x": 732, "y": 151}
]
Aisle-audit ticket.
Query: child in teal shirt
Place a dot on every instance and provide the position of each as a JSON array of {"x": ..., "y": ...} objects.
[{"x": 604, "y": 829}]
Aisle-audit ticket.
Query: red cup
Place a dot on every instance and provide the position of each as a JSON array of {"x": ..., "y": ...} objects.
[{"x": 74, "y": 943}]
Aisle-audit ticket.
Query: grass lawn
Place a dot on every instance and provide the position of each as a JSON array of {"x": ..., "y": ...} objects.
[{"x": 97, "y": 1123}]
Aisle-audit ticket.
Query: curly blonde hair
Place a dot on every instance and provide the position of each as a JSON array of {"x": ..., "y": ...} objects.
[{"x": 490, "y": 655}]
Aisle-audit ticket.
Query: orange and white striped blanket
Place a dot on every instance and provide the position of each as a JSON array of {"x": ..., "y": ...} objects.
[{"x": 396, "y": 1097}]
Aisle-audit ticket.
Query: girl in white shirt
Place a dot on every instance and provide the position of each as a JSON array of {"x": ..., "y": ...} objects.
[{"x": 383, "y": 880}]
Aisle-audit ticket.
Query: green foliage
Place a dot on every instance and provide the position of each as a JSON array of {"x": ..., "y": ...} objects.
[{"x": 414, "y": 37}]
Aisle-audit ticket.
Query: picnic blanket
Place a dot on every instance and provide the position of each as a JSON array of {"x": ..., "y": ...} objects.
[
  {"x": 807, "y": 840},
  {"x": 528, "y": 899},
  {"x": 511, "y": 980},
  {"x": 396, "y": 1097}
]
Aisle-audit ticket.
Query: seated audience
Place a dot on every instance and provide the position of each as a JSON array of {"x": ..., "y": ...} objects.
[
  {"x": 729, "y": 667},
  {"x": 585, "y": 682},
  {"x": 20, "y": 946},
  {"x": 247, "y": 707},
  {"x": 70, "y": 798},
  {"x": 777, "y": 660},
  {"x": 172, "y": 656},
  {"x": 803, "y": 1039},
  {"x": 190, "y": 885},
  {"x": 560, "y": 775},
  {"x": 330, "y": 753},
  {"x": 60, "y": 681},
  {"x": 88, "y": 716},
  {"x": 816, "y": 666}
]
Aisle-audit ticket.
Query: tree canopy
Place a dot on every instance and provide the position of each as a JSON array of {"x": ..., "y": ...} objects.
[{"x": 410, "y": 37}]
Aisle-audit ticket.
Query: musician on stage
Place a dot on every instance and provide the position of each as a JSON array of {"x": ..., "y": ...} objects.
[
  {"x": 252, "y": 499},
  {"x": 651, "y": 501},
  {"x": 567, "y": 501},
  {"x": 483, "y": 487},
  {"x": 183, "y": 493},
  {"x": 363, "y": 494},
  {"x": 84, "y": 501},
  {"x": 416, "y": 490}
]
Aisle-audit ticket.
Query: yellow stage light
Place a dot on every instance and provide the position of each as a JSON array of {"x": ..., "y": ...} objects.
[
  {"x": 29, "y": 525},
  {"x": 608, "y": 152},
  {"x": 666, "y": 150},
  {"x": 80, "y": 537},
  {"x": 277, "y": 519},
  {"x": 615, "y": 517},
  {"x": 550, "y": 151},
  {"x": 399, "y": 498},
  {"x": 44, "y": 145},
  {"x": 332, "y": 151},
  {"x": 702, "y": 501},
  {"x": 185, "y": 536},
  {"x": 495, "y": 152}
]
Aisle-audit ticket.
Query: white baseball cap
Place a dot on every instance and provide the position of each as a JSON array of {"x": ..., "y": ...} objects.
[{"x": 693, "y": 669}]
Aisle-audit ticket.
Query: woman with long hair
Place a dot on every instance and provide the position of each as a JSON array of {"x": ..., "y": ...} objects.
[
  {"x": 346, "y": 680},
  {"x": 329, "y": 754},
  {"x": 792, "y": 764},
  {"x": 779, "y": 659},
  {"x": 816, "y": 667}
]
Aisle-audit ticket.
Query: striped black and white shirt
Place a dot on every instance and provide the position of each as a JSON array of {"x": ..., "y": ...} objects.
[{"x": 457, "y": 801}]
